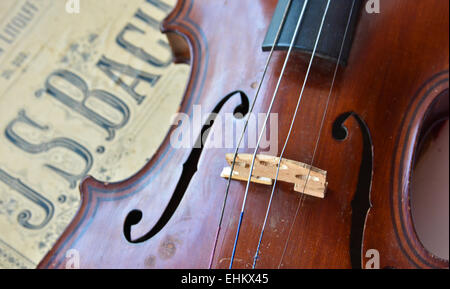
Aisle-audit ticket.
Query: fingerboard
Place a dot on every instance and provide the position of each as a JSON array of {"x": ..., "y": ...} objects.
[{"x": 332, "y": 35}]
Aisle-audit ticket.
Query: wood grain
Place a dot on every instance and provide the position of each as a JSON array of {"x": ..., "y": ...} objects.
[{"x": 397, "y": 68}]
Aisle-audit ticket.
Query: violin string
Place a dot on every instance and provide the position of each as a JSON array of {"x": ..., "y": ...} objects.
[
  {"x": 277, "y": 37},
  {"x": 320, "y": 130},
  {"x": 290, "y": 129},
  {"x": 263, "y": 129}
]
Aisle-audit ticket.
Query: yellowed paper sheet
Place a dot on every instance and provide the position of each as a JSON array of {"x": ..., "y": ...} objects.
[{"x": 84, "y": 90}]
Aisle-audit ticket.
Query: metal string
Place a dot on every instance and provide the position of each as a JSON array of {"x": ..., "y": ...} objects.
[
  {"x": 320, "y": 130},
  {"x": 290, "y": 131},
  {"x": 246, "y": 125},
  {"x": 263, "y": 129}
]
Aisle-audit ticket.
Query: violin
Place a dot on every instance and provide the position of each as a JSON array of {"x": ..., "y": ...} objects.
[{"x": 353, "y": 86}]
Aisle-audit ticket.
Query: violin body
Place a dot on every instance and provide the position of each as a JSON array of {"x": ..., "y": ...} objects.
[{"x": 394, "y": 84}]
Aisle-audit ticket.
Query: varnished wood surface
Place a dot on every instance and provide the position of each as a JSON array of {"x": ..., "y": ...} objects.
[{"x": 397, "y": 67}]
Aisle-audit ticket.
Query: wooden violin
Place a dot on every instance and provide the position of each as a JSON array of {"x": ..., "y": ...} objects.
[{"x": 354, "y": 91}]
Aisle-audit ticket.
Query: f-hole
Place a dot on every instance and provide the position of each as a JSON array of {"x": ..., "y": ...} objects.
[
  {"x": 361, "y": 200},
  {"x": 189, "y": 169}
]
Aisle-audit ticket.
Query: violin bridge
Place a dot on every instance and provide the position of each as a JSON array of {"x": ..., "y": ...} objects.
[{"x": 265, "y": 169}]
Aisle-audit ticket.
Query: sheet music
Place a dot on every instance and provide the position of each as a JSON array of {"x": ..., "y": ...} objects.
[{"x": 82, "y": 92}]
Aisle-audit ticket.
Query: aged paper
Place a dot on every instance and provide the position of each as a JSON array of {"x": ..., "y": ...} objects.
[{"x": 84, "y": 90}]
